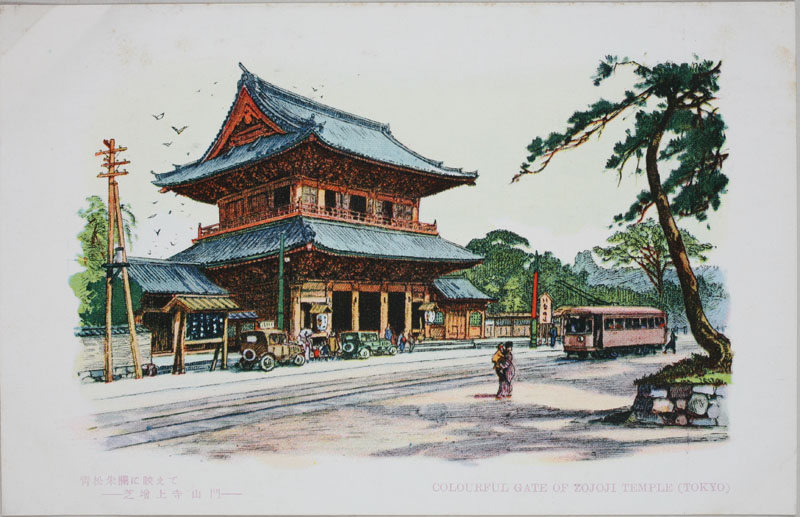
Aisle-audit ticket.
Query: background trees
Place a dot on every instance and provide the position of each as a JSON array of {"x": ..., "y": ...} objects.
[
  {"x": 89, "y": 284},
  {"x": 673, "y": 102},
  {"x": 644, "y": 244}
]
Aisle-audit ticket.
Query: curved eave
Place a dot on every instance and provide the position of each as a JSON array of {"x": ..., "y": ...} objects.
[
  {"x": 460, "y": 176},
  {"x": 332, "y": 251},
  {"x": 301, "y": 138},
  {"x": 337, "y": 253}
]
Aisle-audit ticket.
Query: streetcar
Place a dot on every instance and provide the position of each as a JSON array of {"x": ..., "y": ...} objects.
[{"x": 612, "y": 330}]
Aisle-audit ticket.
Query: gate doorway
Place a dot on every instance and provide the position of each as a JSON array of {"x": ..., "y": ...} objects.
[
  {"x": 417, "y": 316},
  {"x": 397, "y": 312},
  {"x": 342, "y": 316},
  {"x": 369, "y": 311}
]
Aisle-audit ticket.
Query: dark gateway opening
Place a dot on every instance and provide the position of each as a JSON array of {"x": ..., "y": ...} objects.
[
  {"x": 369, "y": 311},
  {"x": 397, "y": 312},
  {"x": 342, "y": 317},
  {"x": 417, "y": 316}
]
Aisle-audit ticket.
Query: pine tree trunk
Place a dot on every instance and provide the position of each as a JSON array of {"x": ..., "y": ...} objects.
[{"x": 715, "y": 343}]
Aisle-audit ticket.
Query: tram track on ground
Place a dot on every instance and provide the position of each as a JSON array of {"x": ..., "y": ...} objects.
[{"x": 219, "y": 413}]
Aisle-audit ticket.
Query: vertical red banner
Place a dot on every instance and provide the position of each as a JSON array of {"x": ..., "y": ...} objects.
[{"x": 535, "y": 298}]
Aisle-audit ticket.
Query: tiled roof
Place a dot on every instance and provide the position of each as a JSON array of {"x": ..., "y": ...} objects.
[
  {"x": 334, "y": 237},
  {"x": 202, "y": 303},
  {"x": 459, "y": 289},
  {"x": 245, "y": 315},
  {"x": 235, "y": 157},
  {"x": 173, "y": 277},
  {"x": 300, "y": 117},
  {"x": 101, "y": 331}
]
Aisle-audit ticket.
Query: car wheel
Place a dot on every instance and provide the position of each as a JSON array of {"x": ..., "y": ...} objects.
[
  {"x": 392, "y": 350},
  {"x": 348, "y": 348},
  {"x": 363, "y": 353},
  {"x": 249, "y": 355},
  {"x": 246, "y": 365},
  {"x": 267, "y": 362},
  {"x": 299, "y": 360}
]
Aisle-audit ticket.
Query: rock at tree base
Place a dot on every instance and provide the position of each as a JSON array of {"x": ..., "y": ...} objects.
[
  {"x": 704, "y": 389},
  {"x": 698, "y": 404},
  {"x": 663, "y": 406}
]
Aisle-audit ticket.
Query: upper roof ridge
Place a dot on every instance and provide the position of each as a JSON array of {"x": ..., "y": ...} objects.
[{"x": 295, "y": 98}]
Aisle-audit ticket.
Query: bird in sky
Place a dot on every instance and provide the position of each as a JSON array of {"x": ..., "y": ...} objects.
[
  {"x": 198, "y": 91},
  {"x": 156, "y": 201},
  {"x": 169, "y": 212},
  {"x": 151, "y": 216},
  {"x": 171, "y": 243},
  {"x": 179, "y": 131},
  {"x": 158, "y": 231},
  {"x": 166, "y": 144},
  {"x": 159, "y": 117}
]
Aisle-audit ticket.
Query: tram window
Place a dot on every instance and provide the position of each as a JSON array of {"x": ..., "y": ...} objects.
[
  {"x": 660, "y": 323},
  {"x": 618, "y": 324},
  {"x": 632, "y": 323},
  {"x": 651, "y": 323},
  {"x": 578, "y": 325},
  {"x": 609, "y": 324}
]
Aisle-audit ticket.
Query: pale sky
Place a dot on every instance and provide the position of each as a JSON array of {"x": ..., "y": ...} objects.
[{"x": 467, "y": 85}]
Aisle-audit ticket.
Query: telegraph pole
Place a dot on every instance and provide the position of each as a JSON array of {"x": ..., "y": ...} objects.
[
  {"x": 280, "y": 282},
  {"x": 117, "y": 258},
  {"x": 535, "y": 302}
]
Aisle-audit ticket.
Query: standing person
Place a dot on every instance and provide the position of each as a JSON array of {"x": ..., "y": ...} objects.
[
  {"x": 401, "y": 342},
  {"x": 671, "y": 342},
  {"x": 411, "y": 341},
  {"x": 304, "y": 340},
  {"x": 497, "y": 362},
  {"x": 553, "y": 335},
  {"x": 388, "y": 333},
  {"x": 507, "y": 371}
]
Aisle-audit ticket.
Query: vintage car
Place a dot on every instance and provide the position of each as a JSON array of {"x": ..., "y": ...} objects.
[
  {"x": 268, "y": 348},
  {"x": 362, "y": 344}
]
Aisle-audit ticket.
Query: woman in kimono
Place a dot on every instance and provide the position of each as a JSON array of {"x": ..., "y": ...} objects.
[
  {"x": 504, "y": 366},
  {"x": 497, "y": 362}
]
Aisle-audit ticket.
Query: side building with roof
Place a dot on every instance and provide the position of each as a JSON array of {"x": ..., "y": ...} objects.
[{"x": 344, "y": 196}]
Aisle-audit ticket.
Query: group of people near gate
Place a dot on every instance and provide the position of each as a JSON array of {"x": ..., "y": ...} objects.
[
  {"x": 317, "y": 348},
  {"x": 402, "y": 340}
]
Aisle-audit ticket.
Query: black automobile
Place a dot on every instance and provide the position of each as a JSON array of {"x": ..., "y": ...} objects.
[{"x": 363, "y": 344}]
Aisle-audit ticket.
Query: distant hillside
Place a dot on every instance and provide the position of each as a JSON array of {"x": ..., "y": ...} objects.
[
  {"x": 635, "y": 278},
  {"x": 716, "y": 305}
]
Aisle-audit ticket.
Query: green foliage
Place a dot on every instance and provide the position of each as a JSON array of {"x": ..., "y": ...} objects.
[
  {"x": 504, "y": 272},
  {"x": 89, "y": 284},
  {"x": 681, "y": 94},
  {"x": 644, "y": 244},
  {"x": 697, "y": 369},
  {"x": 507, "y": 275}
]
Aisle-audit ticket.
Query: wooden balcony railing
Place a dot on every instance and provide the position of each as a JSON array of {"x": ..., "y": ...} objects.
[{"x": 334, "y": 214}]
